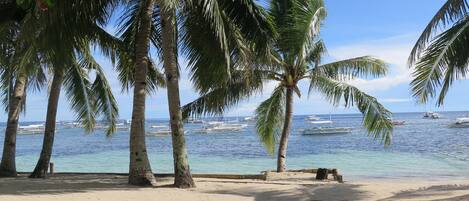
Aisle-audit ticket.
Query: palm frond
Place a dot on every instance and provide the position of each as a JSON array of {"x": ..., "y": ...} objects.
[
  {"x": 221, "y": 97},
  {"x": 451, "y": 11},
  {"x": 376, "y": 118},
  {"x": 444, "y": 61},
  {"x": 270, "y": 116},
  {"x": 78, "y": 89},
  {"x": 365, "y": 67}
]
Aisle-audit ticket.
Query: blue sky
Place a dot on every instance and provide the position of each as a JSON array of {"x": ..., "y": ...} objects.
[{"x": 385, "y": 29}]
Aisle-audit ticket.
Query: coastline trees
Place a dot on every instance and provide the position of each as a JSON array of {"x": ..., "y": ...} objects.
[
  {"x": 296, "y": 54},
  {"x": 438, "y": 58}
]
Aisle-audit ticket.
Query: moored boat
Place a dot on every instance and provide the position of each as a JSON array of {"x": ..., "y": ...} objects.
[
  {"x": 219, "y": 126},
  {"x": 327, "y": 131},
  {"x": 462, "y": 122},
  {"x": 31, "y": 129}
]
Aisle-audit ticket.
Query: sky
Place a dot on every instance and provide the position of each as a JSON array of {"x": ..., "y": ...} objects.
[{"x": 380, "y": 28}]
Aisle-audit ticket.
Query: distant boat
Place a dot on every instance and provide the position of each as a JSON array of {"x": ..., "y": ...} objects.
[
  {"x": 431, "y": 115},
  {"x": 321, "y": 122},
  {"x": 461, "y": 122},
  {"x": 313, "y": 118},
  {"x": 194, "y": 121},
  {"x": 122, "y": 127},
  {"x": 158, "y": 126},
  {"x": 398, "y": 122},
  {"x": 31, "y": 129},
  {"x": 250, "y": 119},
  {"x": 72, "y": 125},
  {"x": 219, "y": 126},
  {"x": 327, "y": 131},
  {"x": 165, "y": 132}
]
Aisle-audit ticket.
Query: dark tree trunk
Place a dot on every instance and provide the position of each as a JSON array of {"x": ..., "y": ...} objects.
[
  {"x": 43, "y": 163},
  {"x": 282, "y": 149},
  {"x": 182, "y": 173},
  {"x": 139, "y": 168},
  {"x": 8, "y": 164}
]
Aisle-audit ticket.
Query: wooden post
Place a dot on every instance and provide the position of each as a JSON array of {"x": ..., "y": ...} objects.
[{"x": 51, "y": 169}]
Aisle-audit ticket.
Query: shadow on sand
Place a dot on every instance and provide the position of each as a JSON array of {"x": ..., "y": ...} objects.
[
  {"x": 445, "y": 192},
  {"x": 67, "y": 184},
  {"x": 307, "y": 192}
]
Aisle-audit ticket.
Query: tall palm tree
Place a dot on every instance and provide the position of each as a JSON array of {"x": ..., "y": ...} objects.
[
  {"x": 206, "y": 35},
  {"x": 296, "y": 54},
  {"x": 136, "y": 29},
  {"x": 20, "y": 68},
  {"x": 440, "y": 56},
  {"x": 70, "y": 61}
]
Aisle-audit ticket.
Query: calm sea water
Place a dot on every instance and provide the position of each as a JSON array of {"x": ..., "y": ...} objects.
[{"x": 421, "y": 148}]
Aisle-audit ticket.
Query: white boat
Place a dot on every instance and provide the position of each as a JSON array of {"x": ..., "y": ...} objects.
[
  {"x": 249, "y": 119},
  {"x": 313, "y": 118},
  {"x": 431, "y": 115},
  {"x": 398, "y": 122},
  {"x": 461, "y": 122},
  {"x": 194, "y": 121},
  {"x": 162, "y": 132},
  {"x": 31, "y": 129},
  {"x": 72, "y": 125},
  {"x": 219, "y": 126},
  {"x": 321, "y": 122},
  {"x": 327, "y": 131},
  {"x": 122, "y": 127},
  {"x": 158, "y": 126}
]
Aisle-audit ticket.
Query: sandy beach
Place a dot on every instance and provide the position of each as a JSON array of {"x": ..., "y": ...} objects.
[{"x": 296, "y": 187}]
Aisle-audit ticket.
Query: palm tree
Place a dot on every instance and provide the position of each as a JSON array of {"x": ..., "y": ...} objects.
[
  {"x": 71, "y": 62},
  {"x": 440, "y": 56},
  {"x": 296, "y": 54},
  {"x": 136, "y": 29},
  {"x": 20, "y": 68},
  {"x": 202, "y": 32}
]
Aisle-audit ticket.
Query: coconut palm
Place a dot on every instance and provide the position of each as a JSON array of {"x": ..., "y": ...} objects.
[
  {"x": 71, "y": 62},
  {"x": 20, "y": 69},
  {"x": 296, "y": 55},
  {"x": 440, "y": 56},
  {"x": 206, "y": 35}
]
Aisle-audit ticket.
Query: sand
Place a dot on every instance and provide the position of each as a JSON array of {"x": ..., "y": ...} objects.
[{"x": 290, "y": 187}]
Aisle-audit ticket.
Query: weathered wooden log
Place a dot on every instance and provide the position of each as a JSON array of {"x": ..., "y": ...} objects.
[{"x": 322, "y": 174}]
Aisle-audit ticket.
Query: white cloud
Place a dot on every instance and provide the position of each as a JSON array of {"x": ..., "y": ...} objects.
[{"x": 394, "y": 51}]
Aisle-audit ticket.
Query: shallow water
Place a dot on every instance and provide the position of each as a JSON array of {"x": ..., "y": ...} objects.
[{"x": 421, "y": 148}]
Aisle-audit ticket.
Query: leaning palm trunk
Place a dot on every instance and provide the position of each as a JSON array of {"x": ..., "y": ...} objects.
[
  {"x": 40, "y": 171},
  {"x": 139, "y": 168},
  {"x": 282, "y": 149},
  {"x": 8, "y": 164},
  {"x": 182, "y": 174}
]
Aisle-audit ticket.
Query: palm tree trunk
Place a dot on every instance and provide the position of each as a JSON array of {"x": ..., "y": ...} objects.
[
  {"x": 40, "y": 171},
  {"x": 282, "y": 149},
  {"x": 8, "y": 164},
  {"x": 139, "y": 168},
  {"x": 182, "y": 173}
]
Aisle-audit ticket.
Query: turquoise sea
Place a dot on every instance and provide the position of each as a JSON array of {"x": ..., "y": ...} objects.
[{"x": 420, "y": 148}]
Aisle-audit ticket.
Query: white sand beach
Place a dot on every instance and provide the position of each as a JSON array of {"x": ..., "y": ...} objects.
[{"x": 298, "y": 187}]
